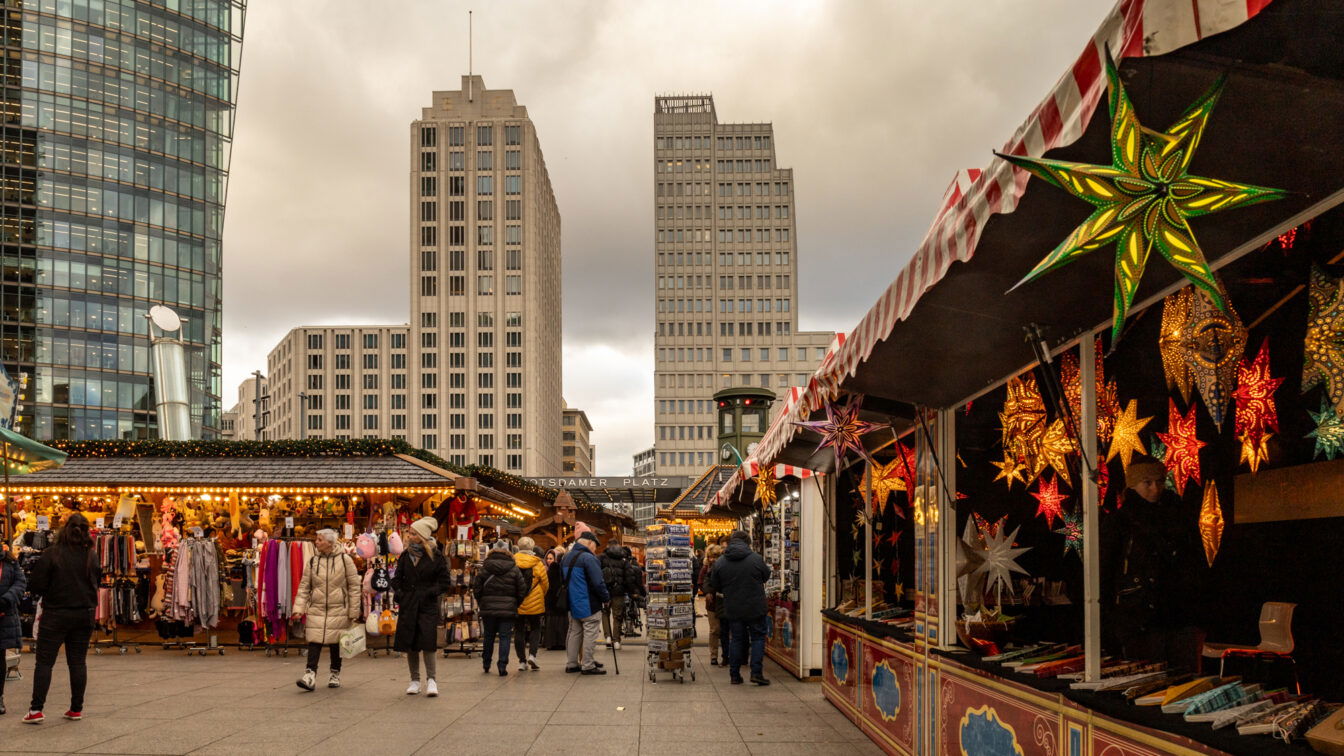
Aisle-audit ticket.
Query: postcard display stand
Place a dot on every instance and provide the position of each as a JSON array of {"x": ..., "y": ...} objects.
[
  {"x": 671, "y": 613},
  {"x": 781, "y": 528}
]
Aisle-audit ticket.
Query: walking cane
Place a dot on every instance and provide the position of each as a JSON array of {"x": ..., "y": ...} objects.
[{"x": 615, "y": 661}]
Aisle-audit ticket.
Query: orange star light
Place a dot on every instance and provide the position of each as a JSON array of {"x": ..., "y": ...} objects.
[
  {"x": 882, "y": 481},
  {"x": 1182, "y": 447},
  {"x": 1257, "y": 417},
  {"x": 1125, "y": 436},
  {"x": 765, "y": 486},
  {"x": 1211, "y": 522},
  {"x": 1024, "y": 422}
]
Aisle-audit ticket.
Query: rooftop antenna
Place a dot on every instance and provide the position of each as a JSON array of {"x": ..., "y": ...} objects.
[{"x": 470, "y": 55}]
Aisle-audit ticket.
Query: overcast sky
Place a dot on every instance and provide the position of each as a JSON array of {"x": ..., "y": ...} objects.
[{"x": 875, "y": 105}]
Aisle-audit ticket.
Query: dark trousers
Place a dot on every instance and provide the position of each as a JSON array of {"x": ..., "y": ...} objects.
[
  {"x": 315, "y": 654},
  {"x": 725, "y": 640},
  {"x": 527, "y": 636},
  {"x": 496, "y": 627},
  {"x": 744, "y": 631},
  {"x": 72, "y": 630}
]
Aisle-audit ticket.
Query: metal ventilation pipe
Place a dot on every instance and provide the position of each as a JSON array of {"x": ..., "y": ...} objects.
[{"x": 172, "y": 395}]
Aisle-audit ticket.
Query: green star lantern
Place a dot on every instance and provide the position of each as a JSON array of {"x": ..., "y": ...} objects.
[{"x": 1143, "y": 198}]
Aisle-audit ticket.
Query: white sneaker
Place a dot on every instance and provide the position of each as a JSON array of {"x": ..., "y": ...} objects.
[
  {"x": 414, "y": 688},
  {"x": 432, "y": 689},
  {"x": 616, "y": 645},
  {"x": 334, "y": 681},
  {"x": 308, "y": 681},
  {"x": 522, "y": 666}
]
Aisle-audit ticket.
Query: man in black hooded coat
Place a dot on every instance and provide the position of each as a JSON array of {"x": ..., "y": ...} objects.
[
  {"x": 740, "y": 575},
  {"x": 622, "y": 577}
]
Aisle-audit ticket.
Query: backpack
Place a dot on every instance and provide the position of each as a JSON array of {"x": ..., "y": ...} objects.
[
  {"x": 527, "y": 580},
  {"x": 562, "y": 593}
]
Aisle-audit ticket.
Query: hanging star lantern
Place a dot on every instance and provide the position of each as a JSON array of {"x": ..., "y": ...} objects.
[
  {"x": 1183, "y": 447},
  {"x": 1010, "y": 469},
  {"x": 971, "y": 547},
  {"x": 1103, "y": 483},
  {"x": 882, "y": 481},
  {"x": 1070, "y": 377},
  {"x": 985, "y": 528},
  {"x": 1257, "y": 416},
  {"x": 1056, "y": 446},
  {"x": 906, "y": 466},
  {"x": 1108, "y": 410},
  {"x": 1000, "y": 561},
  {"x": 842, "y": 430},
  {"x": 1158, "y": 450},
  {"x": 1324, "y": 344},
  {"x": 1142, "y": 200},
  {"x": 765, "y": 486},
  {"x": 1329, "y": 432},
  {"x": 1211, "y": 522},
  {"x": 1216, "y": 344},
  {"x": 1072, "y": 531},
  {"x": 1125, "y": 437},
  {"x": 1172, "y": 342},
  {"x": 1024, "y": 424},
  {"x": 1050, "y": 502}
]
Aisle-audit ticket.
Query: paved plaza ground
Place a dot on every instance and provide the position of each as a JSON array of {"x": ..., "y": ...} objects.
[{"x": 164, "y": 702}]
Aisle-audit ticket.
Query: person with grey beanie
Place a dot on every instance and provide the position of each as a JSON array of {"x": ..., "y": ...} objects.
[{"x": 499, "y": 589}]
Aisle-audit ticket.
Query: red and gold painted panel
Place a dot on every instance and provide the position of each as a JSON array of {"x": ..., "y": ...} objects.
[
  {"x": 978, "y": 716},
  {"x": 888, "y": 695},
  {"x": 842, "y": 665}
]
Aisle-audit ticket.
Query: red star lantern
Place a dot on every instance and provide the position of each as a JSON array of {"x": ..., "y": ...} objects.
[
  {"x": 1257, "y": 416},
  {"x": 1050, "y": 500},
  {"x": 1182, "y": 458},
  {"x": 842, "y": 429}
]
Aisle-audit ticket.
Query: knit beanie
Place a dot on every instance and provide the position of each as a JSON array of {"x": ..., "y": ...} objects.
[
  {"x": 1144, "y": 469},
  {"x": 580, "y": 528},
  {"x": 425, "y": 527},
  {"x": 502, "y": 545}
]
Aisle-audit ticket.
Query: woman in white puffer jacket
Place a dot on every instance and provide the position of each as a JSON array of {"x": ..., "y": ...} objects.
[{"x": 329, "y": 600}]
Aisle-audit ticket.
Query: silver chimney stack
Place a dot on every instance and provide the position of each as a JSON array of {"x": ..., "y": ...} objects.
[{"x": 169, "y": 357}]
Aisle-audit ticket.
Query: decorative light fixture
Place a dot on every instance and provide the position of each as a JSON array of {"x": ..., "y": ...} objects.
[
  {"x": 1050, "y": 502},
  {"x": 1183, "y": 447},
  {"x": 1072, "y": 531},
  {"x": 842, "y": 430},
  {"x": 1329, "y": 432},
  {"x": 1257, "y": 416},
  {"x": 1142, "y": 200},
  {"x": 1024, "y": 425},
  {"x": 1324, "y": 343},
  {"x": 1125, "y": 438},
  {"x": 1211, "y": 522}
]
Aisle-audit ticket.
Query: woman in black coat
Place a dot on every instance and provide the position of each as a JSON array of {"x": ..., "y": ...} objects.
[
  {"x": 557, "y": 620},
  {"x": 12, "y": 586},
  {"x": 422, "y": 576},
  {"x": 66, "y": 579}
]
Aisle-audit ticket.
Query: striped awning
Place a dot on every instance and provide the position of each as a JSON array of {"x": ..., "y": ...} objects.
[{"x": 1133, "y": 28}]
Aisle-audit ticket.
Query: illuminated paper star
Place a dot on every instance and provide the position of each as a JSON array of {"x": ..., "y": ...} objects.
[
  {"x": 1070, "y": 377},
  {"x": 1108, "y": 410},
  {"x": 881, "y": 481},
  {"x": 907, "y": 466},
  {"x": 765, "y": 486},
  {"x": 1324, "y": 344},
  {"x": 1182, "y": 447},
  {"x": 1216, "y": 343},
  {"x": 1056, "y": 446},
  {"x": 1010, "y": 469},
  {"x": 1257, "y": 416},
  {"x": 1103, "y": 483},
  {"x": 970, "y": 549},
  {"x": 1049, "y": 500},
  {"x": 1072, "y": 531},
  {"x": 1158, "y": 450},
  {"x": 842, "y": 430},
  {"x": 1211, "y": 522},
  {"x": 1329, "y": 432},
  {"x": 895, "y": 538},
  {"x": 1125, "y": 438},
  {"x": 1000, "y": 561},
  {"x": 1024, "y": 423},
  {"x": 1142, "y": 200},
  {"x": 985, "y": 528},
  {"x": 1171, "y": 342}
]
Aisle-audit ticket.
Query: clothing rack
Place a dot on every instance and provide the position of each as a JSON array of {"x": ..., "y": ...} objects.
[
  {"x": 273, "y": 619},
  {"x": 116, "y": 557},
  {"x": 202, "y": 607}
]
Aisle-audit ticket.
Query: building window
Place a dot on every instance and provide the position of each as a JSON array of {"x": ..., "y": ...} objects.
[
  {"x": 429, "y": 441},
  {"x": 315, "y": 422},
  {"x": 513, "y": 184},
  {"x": 485, "y": 285},
  {"x": 515, "y": 461},
  {"x": 513, "y": 160},
  {"x": 398, "y": 380},
  {"x": 513, "y": 234},
  {"x": 513, "y": 135},
  {"x": 514, "y": 421},
  {"x": 398, "y": 401},
  {"x": 456, "y": 136},
  {"x": 513, "y": 259},
  {"x": 429, "y": 421},
  {"x": 514, "y": 441},
  {"x": 457, "y": 161},
  {"x": 485, "y": 135},
  {"x": 314, "y": 341},
  {"x": 428, "y": 136},
  {"x": 370, "y": 401},
  {"x": 342, "y": 401},
  {"x": 429, "y": 286},
  {"x": 343, "y": 382},
  {"x": 370, "y": 422},
  {"x": 485, "y": 420},
  {"x": 371, "y": 362},
  {"x": 485, "y": 185},
  {"x": 315, "y": 382},
  {"x": 315, "y": 362},
  {"x": 398, "y": 422},
  {"x": 513, "y": 284},
  {"x": 485, "y": 160},
  {"x": 513, "y": 210},
  {"x": 429, "y": 360},
  {"x": 429, "y": 162}
]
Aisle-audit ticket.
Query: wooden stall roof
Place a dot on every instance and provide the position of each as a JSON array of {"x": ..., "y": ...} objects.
[{"x": 695, "y": 501}]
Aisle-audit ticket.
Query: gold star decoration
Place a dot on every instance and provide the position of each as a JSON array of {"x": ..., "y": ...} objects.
[
  {"x": 1324, "y": 345},
  {"x": 1142, "y": 200},
  {"x": 1257, "y": 416},
  {"x": 1125, "y": 439},
  {"x": 1182, "y": 458},
  {"x": 1211, "y": 522},
  {"x": 765, "y": 486},
  {"x": 1024, "y": 424},
  {"x": 1010, "y": 470},
  {"x": 1056, "y": 446},
  {"x": 1201, "y": 347},
  {"x": 1070, "y": 377},
  {"x": 882, "y": 481},
  {"x": 1171, "y": 342}
]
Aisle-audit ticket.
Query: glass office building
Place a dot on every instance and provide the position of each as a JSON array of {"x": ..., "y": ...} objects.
[{"x": 118, "y": 119}]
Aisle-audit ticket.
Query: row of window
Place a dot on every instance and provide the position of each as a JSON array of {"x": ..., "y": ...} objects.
[
  {"x": 726, "y": 189},
  {"x": 428, "y": 421},
  {"x": 457, "y": 135},
  {"x": 456, "y": 210},
  {"x": 457, "y": 260},
  {"x": 683, "y": 459},
  {"x": 682, "y": 328},
  {"x": 457, "y": 285},
  {"x": 702, "y": 142},
  {"x": 112, "y": 125},
  {"x": 142, "y": 206},
  {"x": 726, "y": 380},
  {"x": 169, "y": 24},
  {"x": 704, "y": 354},
  {"x": 726, "y": 259},
  {"x": 397, "y": 381},
  {"x": 761, "y": 281},
  {"x": 132, "y": 167},
  {"x": 456, "y": 400},
  {"x": 725, "y": 212},
  {"x": 457, "y": 161},
  {"x": 685, "y": 406},
  {"x": 157, "y": 246},
  {"x": 98, "y": 314},
  {"x": 723, "y": 166},
  {"x": 685, "y": 432},
  {"x": 759, "y": 305}
]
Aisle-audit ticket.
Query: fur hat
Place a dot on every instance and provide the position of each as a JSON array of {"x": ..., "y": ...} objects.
[{"x": 425, "y": 527}]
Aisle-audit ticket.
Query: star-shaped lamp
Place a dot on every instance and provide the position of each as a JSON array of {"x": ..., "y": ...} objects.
[
  {"x": 1072, "y": 531},
  {"x": 1000, "y": 561},
  {"x": 1024, "y": 424},
  {"x": 1257, "y": 415},
  {"x": 1324, "y": 364},
  {"x": 1050, "y": 500},
  {"x": 842, "y": 430},
  {"x": 1329, "y": 432},
  {"x": 1125, "y": 436},
  {"x": 1182, "y": 447},
  {"x": 1142, "y": 200},
  {"x": 765, "y": 486},
  {"x": 1211, "y": 522}
]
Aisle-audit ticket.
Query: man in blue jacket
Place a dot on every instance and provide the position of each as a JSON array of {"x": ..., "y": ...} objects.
[{"x": 582, "y": 576}]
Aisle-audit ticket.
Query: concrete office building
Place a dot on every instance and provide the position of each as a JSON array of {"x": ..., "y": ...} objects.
[
  {"x": 239, "y": 422},
  {"x": 577, "y": 454},
  {"x": 476, "y": 374},
  {"x": 644, "y": 462},
  {"x": 115, "y": 154},
  {"x": 726, "y": 275}
]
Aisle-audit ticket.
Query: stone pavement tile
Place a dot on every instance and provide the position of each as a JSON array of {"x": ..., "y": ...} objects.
[
  {"x": 684, "y": 713},
  {"x": 402, "y": 742},
  {"x": 585, "y": 701},
  {"x": 508, "y": 700},
  {"x": 60, "y": 736},
  {"x": 700, "y": 748},
  {"x": 464, "y": 738},
  {"x": 410, "y": 714},
  {"x": 711, "y": 733},
  {"x": 815, "y": 749},
  {"x": 735, "y": 704},
  {"x": 608, "y": 716},
  {"x": 799, "y": 734},
  {"x": 290, "y": 736},
  {"x": 157, "y": 739},
  {"x": 665, "y": 691},
  {"x": 487, "y": 715},
  {"x": 598, "y": 740},
  {"x": 772, "y": 719}
]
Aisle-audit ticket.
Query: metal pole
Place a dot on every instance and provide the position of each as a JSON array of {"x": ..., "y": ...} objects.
[
  {"x": 9, "y": 511},
  {"x": 1087, "y": 434},
  {"x": 867, "y": 543}
]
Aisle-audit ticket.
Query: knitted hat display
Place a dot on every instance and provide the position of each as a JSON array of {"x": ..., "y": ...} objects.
[{"x": 425, "y": 527}]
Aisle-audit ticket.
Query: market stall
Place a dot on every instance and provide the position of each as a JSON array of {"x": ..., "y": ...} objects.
[{"x": 1036, "y": 409}]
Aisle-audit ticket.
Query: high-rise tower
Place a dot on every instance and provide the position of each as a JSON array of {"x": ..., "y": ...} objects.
[
  {"x": 114, "y": 153},
  {"x": 726, "y": 275}
]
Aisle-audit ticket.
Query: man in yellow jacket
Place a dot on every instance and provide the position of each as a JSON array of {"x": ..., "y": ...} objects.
[{"x": 533, "y": 609}]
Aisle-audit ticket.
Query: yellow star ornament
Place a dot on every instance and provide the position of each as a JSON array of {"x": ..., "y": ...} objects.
[
  {"x": 765, "y": 486},
  {"x": 883, "y": 481},
  {"x": 1142, "y": 200},
  {"x": 1125, "y": 439}
]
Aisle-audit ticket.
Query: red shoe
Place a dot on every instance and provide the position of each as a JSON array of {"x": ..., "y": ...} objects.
[
  {"x": 74, "y": 715},
  {"x": 34, "y": 717}
]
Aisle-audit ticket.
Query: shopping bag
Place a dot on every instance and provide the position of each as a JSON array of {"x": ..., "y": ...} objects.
[{"x": 352, "y": 642}]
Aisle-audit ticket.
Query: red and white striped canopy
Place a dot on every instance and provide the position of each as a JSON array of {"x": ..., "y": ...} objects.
[{"x": 1133, "y": 28}]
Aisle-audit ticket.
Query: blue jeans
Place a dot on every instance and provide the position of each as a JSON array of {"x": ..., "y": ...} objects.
[
  {"x": 493, "y": 628},
  {"x": 740, "y": 630}
]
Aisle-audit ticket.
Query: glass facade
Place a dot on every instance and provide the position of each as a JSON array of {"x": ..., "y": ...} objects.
[{"x": 114, "y": 156}]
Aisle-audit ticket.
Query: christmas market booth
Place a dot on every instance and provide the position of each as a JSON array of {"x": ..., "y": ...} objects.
[
  {"x": 1057, "y": 521},
  {"x": 244, "y": 512}
]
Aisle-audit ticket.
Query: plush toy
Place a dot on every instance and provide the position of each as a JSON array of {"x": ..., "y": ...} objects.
[{"x": 169, "y": 537}]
